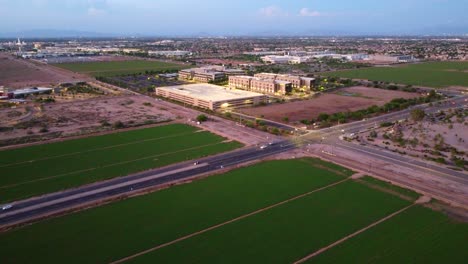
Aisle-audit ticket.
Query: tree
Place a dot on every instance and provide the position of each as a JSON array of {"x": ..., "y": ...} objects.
[
  {"x": 202, "y": 118},
  {"x": 417, "y": 114},
  {"x": 118, "y": 125},
  {"x": 323, "y": 116}
]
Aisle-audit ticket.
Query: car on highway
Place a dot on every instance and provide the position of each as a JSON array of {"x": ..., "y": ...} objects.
[
  {"x": 263, "y": 146},
  {"x": 6, "y": 207},
  {"x": 196, "y": 163}
]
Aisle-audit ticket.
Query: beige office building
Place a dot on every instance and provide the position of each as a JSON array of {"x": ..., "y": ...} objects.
[
  {"x": 260, "y": 85},
  {"x": 211, "y": 96},
  {"x": 296, "y": 81}
]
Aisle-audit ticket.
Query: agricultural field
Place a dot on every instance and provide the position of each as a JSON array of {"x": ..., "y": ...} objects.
[
  {"x": 117, "y": 230},
  {"x": 418, "y": 235},
  {"x": 431, "y": 74},
  {"x": 113, "y": 68},
  {"x": 272, "y": 212},
  {"x": 285, "y": 233},
  {"x": 52, "y": 167}
]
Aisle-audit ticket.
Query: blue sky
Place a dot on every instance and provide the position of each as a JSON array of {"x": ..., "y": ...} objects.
[{"x": 236, "y": 17}]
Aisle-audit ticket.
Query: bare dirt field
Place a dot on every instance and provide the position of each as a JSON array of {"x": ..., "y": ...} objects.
[
  {"x": 18, "y": 73},
  {"x": 440, "y": 138},
  {"x": 79, "y": 117},
  {"x": 346, "y": 99},
  {"x": 83, "y": 114}
]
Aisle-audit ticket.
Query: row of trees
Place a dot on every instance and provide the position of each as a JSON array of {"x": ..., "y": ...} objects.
[{"x": 394, "y": 105}]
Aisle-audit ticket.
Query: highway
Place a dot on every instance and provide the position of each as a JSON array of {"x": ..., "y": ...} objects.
[{"x": 38, "y": 207}]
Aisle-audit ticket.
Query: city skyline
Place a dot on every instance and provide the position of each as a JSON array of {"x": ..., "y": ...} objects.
[{"x": 208, "y": 17}]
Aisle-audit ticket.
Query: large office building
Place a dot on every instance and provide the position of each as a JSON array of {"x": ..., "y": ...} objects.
[
  {"x": 296, "y": 81},
  {"x": 269, "y": 83},
  {"x": 211, "y": 96},
  {"x": 208, "y": 73},
  {"x": 260, "y": 85}
]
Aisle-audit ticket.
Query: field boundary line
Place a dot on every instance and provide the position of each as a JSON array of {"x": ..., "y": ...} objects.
[
  {"x": 227, "y": 222},
  {"x": 320, "y": 251},
  {"x": 91, "y": 150},
  {"x": 108, "y": 165}
]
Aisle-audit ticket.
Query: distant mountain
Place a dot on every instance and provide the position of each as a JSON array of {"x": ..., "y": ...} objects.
[
  {"x": 442, "y": 30},
  {"x": 52, "y": 33}
]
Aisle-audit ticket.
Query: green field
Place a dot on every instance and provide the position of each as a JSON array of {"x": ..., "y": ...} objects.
[
  {"x": 327, "y": 206},
  {"x": 286, "y": 233},
  {"x": 52, "y": 167},
  {"x": 112, "y": 68},
  {"x": 402, "y": 192},
  {"x": 418, "y": 235},
  {"x": 120, "y": 229},
  {"x": 431, "y": 74}
]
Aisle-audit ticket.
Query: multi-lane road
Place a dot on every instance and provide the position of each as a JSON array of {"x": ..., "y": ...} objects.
[
  {"x": 38, "y": 207},
  {"x": 330, "y": 136}
]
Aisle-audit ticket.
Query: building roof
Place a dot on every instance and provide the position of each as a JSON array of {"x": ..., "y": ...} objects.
[
  {"x": 209, "y": 92},
  {"x": 31, "y": 90},
  {"x": 282, "y": 82}
]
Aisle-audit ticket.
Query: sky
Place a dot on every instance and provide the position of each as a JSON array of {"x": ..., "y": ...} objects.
[{"x": 237, "y": 17}]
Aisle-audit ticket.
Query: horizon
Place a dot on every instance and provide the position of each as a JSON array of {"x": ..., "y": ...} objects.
[{"x": 109, "y": 18}]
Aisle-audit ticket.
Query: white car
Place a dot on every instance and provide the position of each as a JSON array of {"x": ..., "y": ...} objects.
[{"x": 6, "y": 207}]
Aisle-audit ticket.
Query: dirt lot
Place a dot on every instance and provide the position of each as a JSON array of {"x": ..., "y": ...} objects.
[
  {"x": 79, "y": 117},
  {"x": 346, "y": 99},
  {"x": 438, "y": 138},
  {"x": 19, "y": 73}
]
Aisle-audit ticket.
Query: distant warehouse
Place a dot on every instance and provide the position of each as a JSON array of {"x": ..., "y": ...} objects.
[{"x": 210, "y": 96}]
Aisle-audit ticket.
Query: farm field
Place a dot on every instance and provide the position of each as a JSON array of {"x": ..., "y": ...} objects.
[
  {"x": 271, "y": 212},
  {"x": 344, "y": 100},
  {"x": 418, "y": 235},
  {"x": 431, "y": 74},
  {"x": 285, "y": 233},
  {"x": 112, "y": 68},
  {"x": 52, "y": 167},
  {"x": 114, "y": 231}
]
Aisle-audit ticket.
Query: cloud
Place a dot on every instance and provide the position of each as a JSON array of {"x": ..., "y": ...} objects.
[
  {"x": 305, "y": 12},
  {"x": 97, "y": 7},
  {"x": 272, "y": 11},
  {"x": 92, "y": 11}
]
